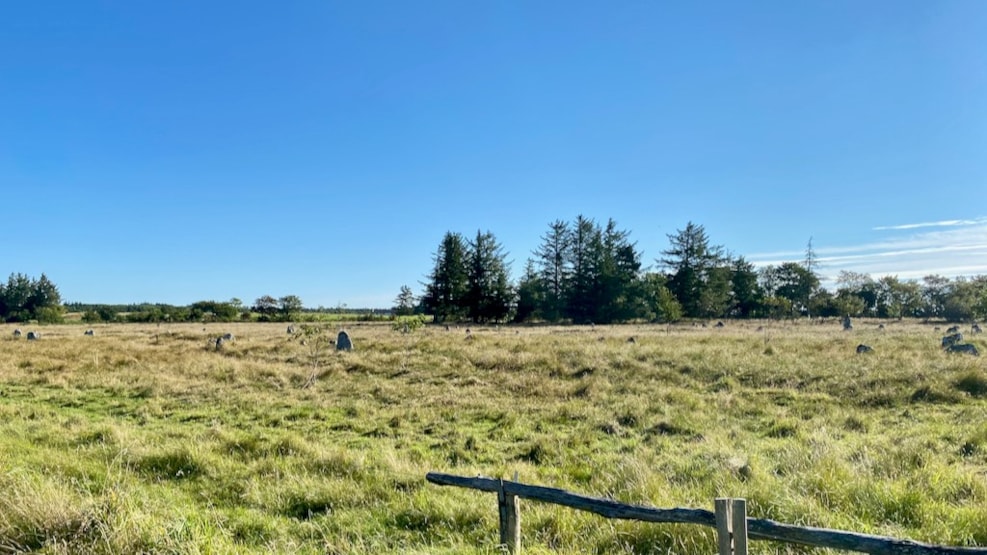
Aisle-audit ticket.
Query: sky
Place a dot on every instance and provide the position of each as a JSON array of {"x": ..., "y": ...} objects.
[{"x": 184, "y": 150}]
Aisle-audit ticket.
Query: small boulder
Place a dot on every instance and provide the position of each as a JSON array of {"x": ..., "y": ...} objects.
[
  {"x": 33, "y": 335},
  {"x": 861, "y": 349}
]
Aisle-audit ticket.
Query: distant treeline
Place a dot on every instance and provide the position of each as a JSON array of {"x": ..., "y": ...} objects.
[
  {"x": 265, "y": 309},
  {"x": 583, "y": 272}
]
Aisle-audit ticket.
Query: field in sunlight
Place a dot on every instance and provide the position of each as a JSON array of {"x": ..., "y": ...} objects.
[{"x": 148, "y": 439}]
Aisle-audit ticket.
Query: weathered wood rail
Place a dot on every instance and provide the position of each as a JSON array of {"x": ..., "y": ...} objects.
[{"x": 733, "y": 526}]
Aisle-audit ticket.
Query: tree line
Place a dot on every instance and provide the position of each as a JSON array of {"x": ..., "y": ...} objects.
[
  {"x": 265, "y": 309},
  {"x": 24, "y": 298},
  {"x": 584, "y": 272}
]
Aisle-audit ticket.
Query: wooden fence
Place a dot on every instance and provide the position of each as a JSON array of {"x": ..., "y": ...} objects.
[{"x": 730, "y": 520}]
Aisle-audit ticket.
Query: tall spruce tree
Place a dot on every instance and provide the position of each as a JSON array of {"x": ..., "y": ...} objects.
[
  {"x": 448, "y": 285},
  {"x": 691, "y": 262},
  {"x": 488, "y": 296},
  {"x": 584, "y": 261},
  {"x": 618, "y": 284},
  {"x": 554, "y": 269}
]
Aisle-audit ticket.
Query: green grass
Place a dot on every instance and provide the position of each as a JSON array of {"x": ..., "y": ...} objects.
[{"x": 146, "y": 439}]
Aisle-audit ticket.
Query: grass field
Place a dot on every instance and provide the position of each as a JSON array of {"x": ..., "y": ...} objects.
[{"x": 147, "y": 439}]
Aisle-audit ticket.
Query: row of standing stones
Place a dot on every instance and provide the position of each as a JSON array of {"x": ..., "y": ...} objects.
[
  {"x": 951, "y": 342},
  {"x": 35, "y": 335},
  {"x": 343, "y": 341}
]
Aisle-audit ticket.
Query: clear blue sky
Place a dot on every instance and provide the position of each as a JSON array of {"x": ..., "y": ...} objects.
[{"x": 181, "y": 151}]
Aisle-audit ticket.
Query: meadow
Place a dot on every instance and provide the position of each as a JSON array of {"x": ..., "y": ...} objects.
[{"x": 146, "y": 439}]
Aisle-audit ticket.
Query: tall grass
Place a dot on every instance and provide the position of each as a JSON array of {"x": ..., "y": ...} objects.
[{"x": 148, "y": 439}]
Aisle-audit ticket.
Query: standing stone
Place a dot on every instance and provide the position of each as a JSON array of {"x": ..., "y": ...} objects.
[
  {"x": 343, "y": 342},
  {"x": 967, "y": 348},
  {"x": 847, "y": 324},
  {"x": 951, "y": 340},
  {"x": 89, "y": 332},
  {"x": 219, "y": 343},
  {"x": 17, "y": 333},
  {"x": 291, "y": 330},
  {"x": 33, "y": 336}
]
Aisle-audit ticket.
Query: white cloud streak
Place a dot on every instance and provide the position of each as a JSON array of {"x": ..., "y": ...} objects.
[
  {"x": 944, "y": 223},
  {"x": 959, "y": 248}
]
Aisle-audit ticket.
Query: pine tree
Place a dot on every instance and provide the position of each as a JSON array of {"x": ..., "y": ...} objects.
[
  {"x": 445, "y": 293},
  {"x": 691, "y": 261},
  {"x": 554, "y": 271},
  {"x": 618, "y": 282},
  {"x": 584, "y": 262},
  {"x": 404, "y": 303},
  {"x": 489, "y": 296}
]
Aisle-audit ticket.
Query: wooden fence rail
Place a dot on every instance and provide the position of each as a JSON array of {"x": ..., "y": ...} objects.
[{"x": 732, "y": 520}]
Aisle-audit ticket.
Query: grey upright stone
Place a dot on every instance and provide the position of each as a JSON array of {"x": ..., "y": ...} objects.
[
  {"x": 343, "y": 342},
  {"x": 951, "y": 340}
]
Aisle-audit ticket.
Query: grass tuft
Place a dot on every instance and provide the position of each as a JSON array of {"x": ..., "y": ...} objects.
[{"x": 973, "y": 383}]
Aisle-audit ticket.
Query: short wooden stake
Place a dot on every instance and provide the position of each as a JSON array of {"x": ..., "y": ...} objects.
[
  {"x": 510, "y": 519},
  {"x": 738, "y": 513}
]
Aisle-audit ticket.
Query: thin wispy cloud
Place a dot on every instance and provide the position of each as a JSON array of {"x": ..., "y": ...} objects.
[
  {"x": 952, "y": 248},
  {"x": 944, "y": 223}
]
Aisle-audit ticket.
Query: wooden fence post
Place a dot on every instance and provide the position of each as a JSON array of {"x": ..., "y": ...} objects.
[
  {"x": 731, "y": 526},
  {"x": 723, "y": 524},
  {"x": 738, "y": 512},
  {"x": 510, "y": 520}
]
